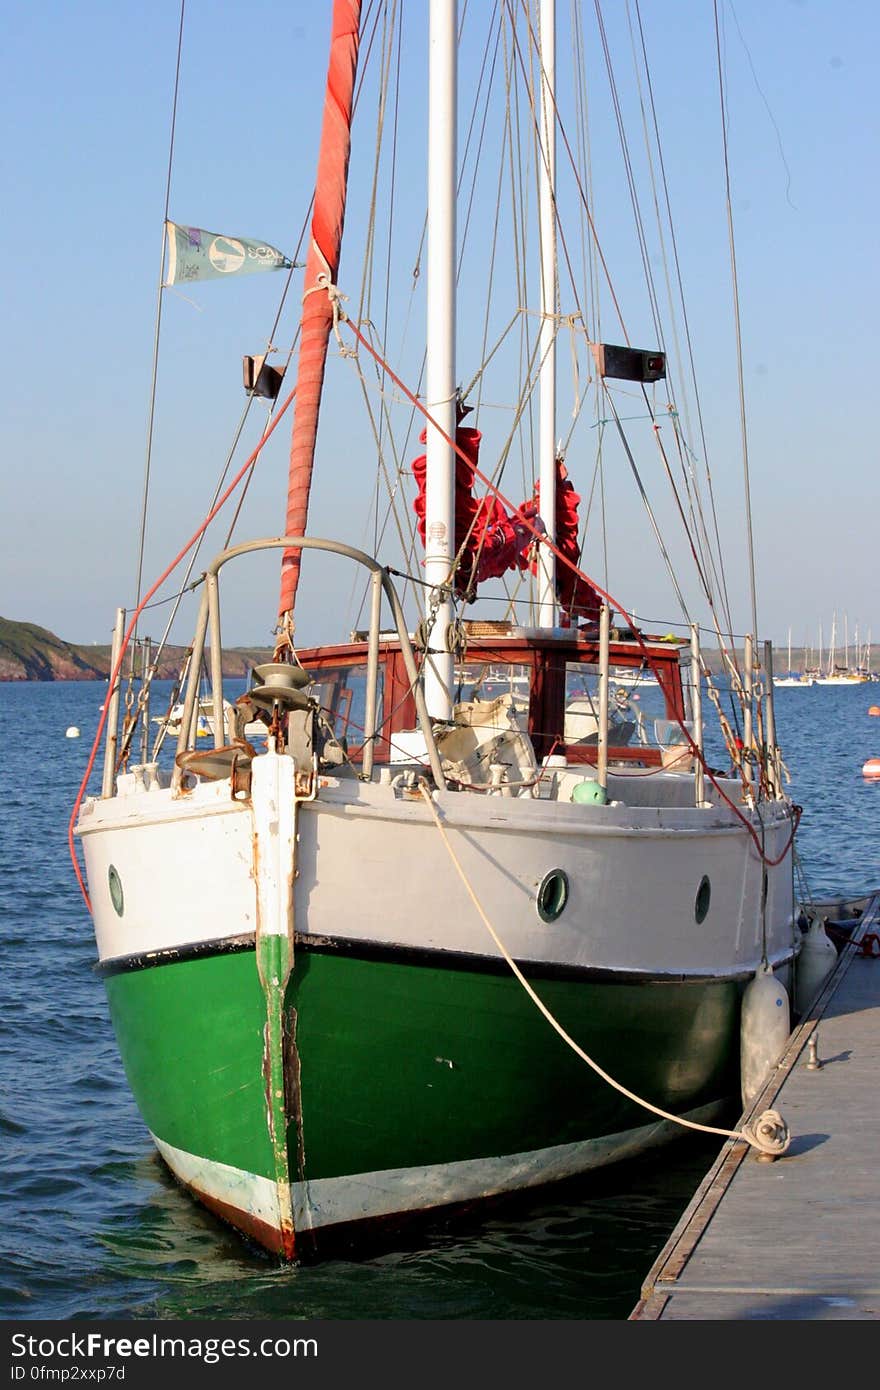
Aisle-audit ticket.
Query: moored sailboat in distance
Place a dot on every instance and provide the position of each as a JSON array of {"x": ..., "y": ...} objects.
[
  {"x": 836, "y": 673},
  {"x": 793, "y": 678},
  {"x": 462, "y": 924}
]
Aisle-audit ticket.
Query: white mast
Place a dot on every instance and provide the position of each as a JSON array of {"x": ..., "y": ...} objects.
[
  {"x": 547, "y": 427},
  {"x": 440, "y": 373}
]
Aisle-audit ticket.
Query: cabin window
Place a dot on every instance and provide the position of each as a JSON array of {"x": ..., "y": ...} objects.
[
  {"x": 341, "y": 692},
  {"x": 638, "y": 717},
  {"x": 488, "y": 680},
  {"x": 582, "y": 707}
]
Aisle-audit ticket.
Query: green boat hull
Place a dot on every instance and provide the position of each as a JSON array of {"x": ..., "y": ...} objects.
[{"x": 426, "y": 1082}]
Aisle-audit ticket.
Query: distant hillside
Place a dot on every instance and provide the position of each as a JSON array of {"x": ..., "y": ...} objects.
[{"x": 31, "y": 653}]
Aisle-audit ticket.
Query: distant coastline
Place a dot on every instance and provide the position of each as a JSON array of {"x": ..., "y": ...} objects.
[{"x": 31, "y": 653}]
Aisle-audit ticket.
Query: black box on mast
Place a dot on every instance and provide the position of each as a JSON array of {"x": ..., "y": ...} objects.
[
  {"x": 628, "y": 364},
  {"x": 260, "y": 379}
]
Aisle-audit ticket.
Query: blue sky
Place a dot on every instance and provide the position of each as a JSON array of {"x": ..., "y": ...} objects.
[{"x": 86, "y": 91}]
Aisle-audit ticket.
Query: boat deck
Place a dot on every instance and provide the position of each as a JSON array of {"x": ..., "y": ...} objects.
[{"x": 797, "y": 1237}]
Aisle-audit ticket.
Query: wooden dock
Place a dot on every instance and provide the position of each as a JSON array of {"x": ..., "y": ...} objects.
[{"x": 797, "y": 1237}]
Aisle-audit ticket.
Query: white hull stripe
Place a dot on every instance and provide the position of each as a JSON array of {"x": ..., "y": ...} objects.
[
  {"x": 364, "y": 1196},
  {"x": 244, "y": 1191}
]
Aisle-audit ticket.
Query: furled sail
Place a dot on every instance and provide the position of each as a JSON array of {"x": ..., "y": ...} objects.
[{"x": 321, "y": 268}]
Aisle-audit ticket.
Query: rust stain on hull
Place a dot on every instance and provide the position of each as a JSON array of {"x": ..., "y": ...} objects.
[{"x": 278, "y": 1242}]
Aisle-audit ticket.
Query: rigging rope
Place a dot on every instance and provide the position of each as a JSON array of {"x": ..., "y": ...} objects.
[
  {"x": 685, "y": 320},
  {"x": 738, "y": 328}
]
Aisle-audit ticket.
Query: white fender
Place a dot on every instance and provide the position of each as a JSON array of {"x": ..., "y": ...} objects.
[
  {"x": 765, "y": 1026},
  {"x": 816, "y": 960}
]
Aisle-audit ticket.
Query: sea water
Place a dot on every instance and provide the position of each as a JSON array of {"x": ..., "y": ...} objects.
[{"x": 93, "y": 1227}]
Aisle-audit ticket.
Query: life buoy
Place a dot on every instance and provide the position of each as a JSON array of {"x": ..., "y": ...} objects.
[{"x": 871, "y": 768}]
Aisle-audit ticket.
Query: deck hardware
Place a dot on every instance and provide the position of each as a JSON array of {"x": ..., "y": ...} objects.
[{"x": 813, "y": 1062}]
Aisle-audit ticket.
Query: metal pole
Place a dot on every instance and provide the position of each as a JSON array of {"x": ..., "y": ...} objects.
[
  {"x": 602, "y": 749},
  {"x": 190, "y": 702},
  {"x": 748, "y": 726},
  {"x": 774, "y": 769},
  {"x": 547, "y": 425},
  {"x": 697, "y": 715},
  {"x": 212, "y": 585},
  {"x": 109, "y": 779},
  {"x": 440, "y": 374},
  {"x": 372, "y": 676},
  {"x": 146, "y": 680}
]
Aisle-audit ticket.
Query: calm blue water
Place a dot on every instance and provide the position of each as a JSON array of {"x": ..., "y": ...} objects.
[{"x": 91, "y": 1225}]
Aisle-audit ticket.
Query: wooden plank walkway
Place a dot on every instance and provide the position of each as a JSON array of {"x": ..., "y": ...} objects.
[{"x": 797, "y": 1237}]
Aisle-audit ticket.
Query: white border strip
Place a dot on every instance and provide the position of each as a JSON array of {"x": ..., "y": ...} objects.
[{"x": 390, "y": 1191}]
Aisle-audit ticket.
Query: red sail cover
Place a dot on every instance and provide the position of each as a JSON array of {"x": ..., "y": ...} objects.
[
  {"x": 487, "y": 541},
  {"x": 577, "y": 598},
  {"x": 323, "y": 257}
]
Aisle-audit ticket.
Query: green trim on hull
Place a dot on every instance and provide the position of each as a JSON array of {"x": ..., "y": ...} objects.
[
  {"x": 191, "y": 1037},
  {"x": 403, "y": 1067},
  {"x": 407, "y": 1066}
]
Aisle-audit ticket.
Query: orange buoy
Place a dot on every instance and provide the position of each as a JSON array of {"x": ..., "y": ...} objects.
[
  {"x": 871, "y": 768},
  {"x": 875, "y": 709}
]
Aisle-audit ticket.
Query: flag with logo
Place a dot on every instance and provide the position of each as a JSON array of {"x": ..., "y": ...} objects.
[{"x": 194, "y": 254}]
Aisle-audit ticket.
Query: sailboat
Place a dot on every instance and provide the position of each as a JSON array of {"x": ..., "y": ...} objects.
[
  {"x": 792, "y": 678},
  {"x": 456, "y": 927},
  {"x": 835, "y": 674}
]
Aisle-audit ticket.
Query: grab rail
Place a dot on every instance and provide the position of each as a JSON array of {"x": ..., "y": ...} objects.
[{"x": 208, "y": 622}]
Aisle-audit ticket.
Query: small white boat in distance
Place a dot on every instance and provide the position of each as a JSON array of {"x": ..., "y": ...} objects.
[
  {"x": 793, "y": 678},
  {"x": 205, "y": 721}
]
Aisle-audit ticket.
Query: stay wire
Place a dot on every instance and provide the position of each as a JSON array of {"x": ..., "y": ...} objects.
[
  {"x": 156, "y": 335},
  {"x": 737, "y": 325}
]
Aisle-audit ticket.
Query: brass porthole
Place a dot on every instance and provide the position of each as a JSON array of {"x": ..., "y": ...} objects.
[
  {"x": 116, "y": 894},
  {"x": 552, "y": 895},
  {"x": 702, "y": 900}
]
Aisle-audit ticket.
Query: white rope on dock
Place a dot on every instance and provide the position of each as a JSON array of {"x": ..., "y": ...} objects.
[{"x": 768, "y": 1133}]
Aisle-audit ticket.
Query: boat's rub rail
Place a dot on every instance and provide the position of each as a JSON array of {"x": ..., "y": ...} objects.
[{"x": 370, "y": 949}]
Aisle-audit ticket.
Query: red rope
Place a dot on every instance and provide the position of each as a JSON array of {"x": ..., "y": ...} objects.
[{"x": 114, "y": 674}]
